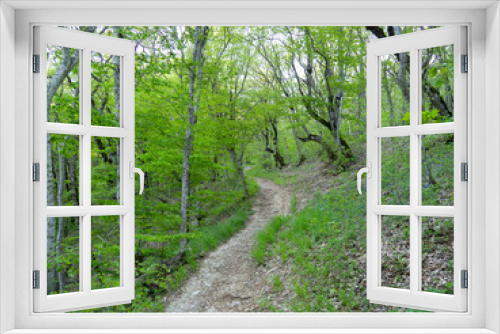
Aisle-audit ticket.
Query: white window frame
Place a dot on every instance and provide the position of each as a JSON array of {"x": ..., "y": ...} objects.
[
  {"x": 483, "y": 20},
  {"x": 85, "y": 43},
  {"x": 414, "y": 297}
]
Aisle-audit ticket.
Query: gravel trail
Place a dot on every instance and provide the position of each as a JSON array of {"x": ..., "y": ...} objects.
[{"x": 228, "y": 279}]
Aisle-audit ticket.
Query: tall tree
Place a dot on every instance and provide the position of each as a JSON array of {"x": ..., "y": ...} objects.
[{"x": 195, "y": 84}]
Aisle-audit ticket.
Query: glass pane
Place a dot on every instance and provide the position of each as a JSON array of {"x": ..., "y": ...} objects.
[
  {"x": 63, "y": 85},
  {"x": 105, "y": 171},
  {"x": 395, "y": 163},
  {"x": 395, "y": 89},
  {"x": 63, "y": 170},
  {"x": 105, "y": 89},
  {"x": 63, "y": 255},
  {"x": 395, "y": 252},
  {"x": 437, "y": 169},
  {"x": 105, "y": 252},
  {"x": 437, "y": 84},
  {"x": 437, "y": 255}
]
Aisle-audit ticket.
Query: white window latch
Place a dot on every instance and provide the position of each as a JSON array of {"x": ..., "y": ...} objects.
[
  {"x": 133, "y": 170},
  {"x": 368, "y": 171}
]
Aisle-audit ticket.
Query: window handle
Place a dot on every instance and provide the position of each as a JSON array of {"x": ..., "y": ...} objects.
[
  {"x": 133, "y": 170},
  {"x": 368, "y": 171}
]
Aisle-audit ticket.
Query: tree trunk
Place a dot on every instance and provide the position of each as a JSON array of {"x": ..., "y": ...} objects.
[
  {"x": 60, "y": 201},
  {"x": 51, "y": 221},
  {"x": 74, "y": 182},
  {"x": 332, "y": 156},
  {"x": 238, "y": 162},
  {"x": 297, "y": 142},
  {"x": 277, "y": 156},
  {"x": 195, "y": 78},
  {"x": 385, "y": 85},
  {"x": 278, "y": 159}
]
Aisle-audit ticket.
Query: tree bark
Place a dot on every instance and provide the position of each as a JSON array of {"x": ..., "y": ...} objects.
[
  {"x": 332, "y": 156},
  {"x": 238, "y": 162},
  {"x": 61, "y": 185},
  {"x": 297, "y": 142},
  {"x": 51, "y": 221},
  {"x": 195, "y": 78},
  {"x": 278, "y": 158}
]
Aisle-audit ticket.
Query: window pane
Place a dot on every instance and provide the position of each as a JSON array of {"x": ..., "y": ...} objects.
[
  {"x": 395, "y": 252},
  {"x": 105, "y": 252},
  {"x": 395, "y": 89},
  {"x": 63, "y": 170},
  {"x": 105, "y": 171},
  {"x": 105, "y": 89},
  {"x": 395, "y": 172},
  {"x": 437, "y": 255},
  {"x": 437, "y": 169},
  {"x": 437, "y": 84},
  {"x": 63, "y": 255},
  {"x": 63, "y": 85}
]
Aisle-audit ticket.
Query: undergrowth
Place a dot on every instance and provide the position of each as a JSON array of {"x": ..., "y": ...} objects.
[
  {"x": 325, "y": 243},
  {"x": 155, "y": 280}
]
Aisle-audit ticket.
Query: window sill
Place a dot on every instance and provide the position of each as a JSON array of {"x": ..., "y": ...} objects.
[{"x": 251, "y": 331}]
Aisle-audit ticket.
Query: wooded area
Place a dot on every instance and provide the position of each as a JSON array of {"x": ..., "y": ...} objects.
[{"x": 214, "y": 102}]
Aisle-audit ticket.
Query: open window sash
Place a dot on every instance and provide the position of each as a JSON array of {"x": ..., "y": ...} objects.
[
  {"x": 413, "y": 130},
  {"x": 86, "y": 48}
]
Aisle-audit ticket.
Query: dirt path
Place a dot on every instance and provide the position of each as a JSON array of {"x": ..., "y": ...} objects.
[{"x": 228, "y": 279}]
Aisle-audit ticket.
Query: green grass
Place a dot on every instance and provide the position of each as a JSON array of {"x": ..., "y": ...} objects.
[
  {"x": 277, "y": 284},
  {"x": 265, "y": 237},
  {"x": 212, "y": 236},
  {"x": 325, "y": 243}
]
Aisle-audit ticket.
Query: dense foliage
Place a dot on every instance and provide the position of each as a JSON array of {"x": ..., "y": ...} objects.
[{"x": 211, "y": 101}]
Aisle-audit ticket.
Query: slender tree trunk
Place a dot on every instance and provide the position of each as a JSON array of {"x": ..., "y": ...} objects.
[
  {"x": 277, "y": 156},
  {"x": 195, "y": 78},
  {"x": 74, "y": 182},
  {"x": 278, "y": 159},
  {"x": 51, "y": 221},
  {"x": 60, "y": 201},
  {"x": 385, "y": 84},
  {"x": 215, "y": 173},
  {"x": 297, "y": 142},
  {"x": 238, "y": 162}
]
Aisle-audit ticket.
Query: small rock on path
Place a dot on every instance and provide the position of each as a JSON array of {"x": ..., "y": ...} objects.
[{"x": 228, "y": 279}]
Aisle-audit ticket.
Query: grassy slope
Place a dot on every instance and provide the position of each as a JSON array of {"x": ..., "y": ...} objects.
[{"x": 325, "y": 243}]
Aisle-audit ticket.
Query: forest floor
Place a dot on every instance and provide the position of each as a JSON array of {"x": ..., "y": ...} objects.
[{"x": 229, "y": 279}]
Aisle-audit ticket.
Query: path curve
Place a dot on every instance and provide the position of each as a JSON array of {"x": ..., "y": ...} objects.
[{"x": 228, "y": 279}]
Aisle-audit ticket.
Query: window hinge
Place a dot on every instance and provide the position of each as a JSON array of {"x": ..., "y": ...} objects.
[
  {"x": 464, "y": 171},
  {"x": 36, "y": 172},
  {"x": 465, "y": 64},
  {"x": 36, "y": 279},
  {"x": 465, "y": 279},
  {"x": 36, "y": 63}
]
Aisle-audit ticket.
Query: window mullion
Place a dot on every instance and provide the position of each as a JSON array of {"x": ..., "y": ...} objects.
[
  {"x": 414, "y": 169},
  {"x": 85, "y": 180}
]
